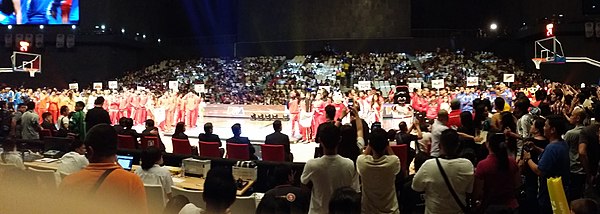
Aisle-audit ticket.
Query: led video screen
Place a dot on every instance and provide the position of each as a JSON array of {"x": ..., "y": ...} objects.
[{"x": 39, "y": 12}]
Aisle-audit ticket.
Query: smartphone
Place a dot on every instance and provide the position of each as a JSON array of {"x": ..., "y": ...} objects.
[{"x": 350, "y": 103}]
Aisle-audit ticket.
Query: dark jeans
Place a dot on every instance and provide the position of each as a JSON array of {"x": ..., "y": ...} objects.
[{"x": 576, "y": 187}]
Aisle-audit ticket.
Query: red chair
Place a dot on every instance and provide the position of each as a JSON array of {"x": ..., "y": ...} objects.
[
  {"x": 181, "y": 146},
  {"x": 126, "y": 142},
  {"x": 272, "y": 152},
  {"x": 210, "y": 149},
  {"x": 402, "y": 152},
  {"x": 45, "y": 133},
  {"x": 148, "y": 141},
  {"x": 238, "y": 151}
]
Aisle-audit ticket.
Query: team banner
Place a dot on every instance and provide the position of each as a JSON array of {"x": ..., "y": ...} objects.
[
  {"x": 140, "y": 88},
  {"x": 437, "y": 83},
  {"x": 74, "y": 86},
  {"x": 364, "y": 85},
  {"x": 472, "y": 81},
  {"x": 113, "y": 85},
  {"x": 413, "y": 86},
  {"x": 97, "y": 86},
  {"x": 509, "y": 78}
]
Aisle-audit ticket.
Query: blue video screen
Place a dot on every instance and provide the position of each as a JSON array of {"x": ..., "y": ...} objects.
[{"x": 39, "y": 12}]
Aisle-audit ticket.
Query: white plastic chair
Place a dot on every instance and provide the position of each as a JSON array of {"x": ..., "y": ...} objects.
[
  {"x": 154, "y": 197},
  {"x": 195, "y": 197},
  {"x": 46, "y": 179},
  {"x": 243, "y": 204}
]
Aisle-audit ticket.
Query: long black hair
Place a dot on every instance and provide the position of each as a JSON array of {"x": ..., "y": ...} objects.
[
  {"x": 497, "y": 143},
  {"x": 149, "y": 157}
]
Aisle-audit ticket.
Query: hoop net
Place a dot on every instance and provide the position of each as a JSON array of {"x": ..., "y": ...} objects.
[
  {"x": 31, "y": 71},
  {"x": 538, "y": 62}
]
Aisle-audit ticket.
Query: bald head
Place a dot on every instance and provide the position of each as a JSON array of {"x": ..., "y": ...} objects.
[{"x": 577, "y": 116}]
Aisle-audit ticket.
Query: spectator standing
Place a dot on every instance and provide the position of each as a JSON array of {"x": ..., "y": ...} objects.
[
  {"x": 554, "y": 160},
  {"x": 329, "y": 172},
  {"x": 436, "y": 132},
  {"x": 29, "y": 123},
  {"x": 77, "y": 122},
  {"x": 378, "y": 168},
  {"x": 97, "y": 115},
  {"x": 497, "y": 178},
  {"x": 577, "y": 185},
  {"x": 16, "y": 127},
  {"x": 459, "y": 172}
]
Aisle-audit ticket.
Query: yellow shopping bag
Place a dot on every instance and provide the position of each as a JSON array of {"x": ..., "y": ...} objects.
[{"x": 557, "y": 196}]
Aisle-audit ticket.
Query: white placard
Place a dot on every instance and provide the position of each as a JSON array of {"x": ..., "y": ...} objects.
[
  {"x": 174, "y": 85},
  {"x": 413, "y": 86},
  {"x": 437, "y": 83},
  {"x": 74, "y": 86},
  {"x": 509, "y": 78},
  {"x": 472, "y": 81},
  {"x": 364, "y": 85},
  {"x": 113, "y": 85},
  {"x": 199, "y": 88},
  {"x": 97, "y": 86},
  {"x": 140, "y": 88},
  {"x": 327, "y": 88}
]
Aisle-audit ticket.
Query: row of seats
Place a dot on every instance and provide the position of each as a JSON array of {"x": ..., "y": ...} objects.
[{"x": 207, "y": 149}]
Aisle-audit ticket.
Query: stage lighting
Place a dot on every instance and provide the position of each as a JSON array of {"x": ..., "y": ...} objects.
[
  {"x": 158, "y": 40},
  {"x": 9, "y": 27},
  {"x": 123, "y": 30},
  {"x": 102, "y": 27},
  {"x": 144, "y": 36},
  {"x": 41, "y": 27},
  {"x": 73, "y": 27},
  {"x": 253, "y": 117},
  {"x": 493, "y": 26}
]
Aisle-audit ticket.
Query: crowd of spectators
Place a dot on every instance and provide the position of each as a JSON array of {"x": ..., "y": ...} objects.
[{"x": 270, "y": 79}]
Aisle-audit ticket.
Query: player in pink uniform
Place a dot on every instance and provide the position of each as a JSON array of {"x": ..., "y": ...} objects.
[
  {"x": 113, "y": 108},
  {"x": 141, "y": 114},
  {"x": 135, "y": 104},
  {"x": 294, "y": 110}
]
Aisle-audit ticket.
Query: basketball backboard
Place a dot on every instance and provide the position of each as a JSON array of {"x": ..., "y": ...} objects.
[{"x": 26, "y": 62}]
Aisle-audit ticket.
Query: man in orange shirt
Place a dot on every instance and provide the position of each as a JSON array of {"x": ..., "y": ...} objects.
[{"x": 103, "y": 186}]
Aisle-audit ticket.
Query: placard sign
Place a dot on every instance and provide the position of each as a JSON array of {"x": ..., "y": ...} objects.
[
  {"x": 437, "y": 83},
  {"x": 413, "y": 86},
  {"x": 364, "y": 85},
  {"x": 97, "y": 86},
  {"x": 509, "y": 78},
  {"x": 174, "y": 85},
  {"x": 472, "y": 81},
  {"x": 199, "y": 88},
  {"x": 113, "y": 85},
  {"x": 74, "y": 86}
]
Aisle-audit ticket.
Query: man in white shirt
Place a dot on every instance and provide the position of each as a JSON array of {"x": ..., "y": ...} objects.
[
  {"x": 436, "y": 131},
  {"x": 428, "y": 179},
  {"x": 75, "y": 160},
  {"x": 329, "y": 172},
  {"x": 378, "y": 168}
]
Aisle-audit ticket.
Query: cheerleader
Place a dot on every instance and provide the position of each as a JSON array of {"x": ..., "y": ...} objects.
[
  {"x": 318, "y": 109},
  {"x": 306, "y": 117},
  {"x": 113, "y": 107}
]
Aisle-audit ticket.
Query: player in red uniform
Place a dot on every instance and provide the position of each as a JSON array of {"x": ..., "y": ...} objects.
[{"x": 294, "y": 110}]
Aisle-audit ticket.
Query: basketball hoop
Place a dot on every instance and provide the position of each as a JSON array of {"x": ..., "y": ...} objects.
[
  {"x": 538, "y": 62},
  {"x": 31, "y": 71}
]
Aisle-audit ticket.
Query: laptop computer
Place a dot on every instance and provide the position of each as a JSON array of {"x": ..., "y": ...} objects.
[{"x": 125, "y": 161}]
